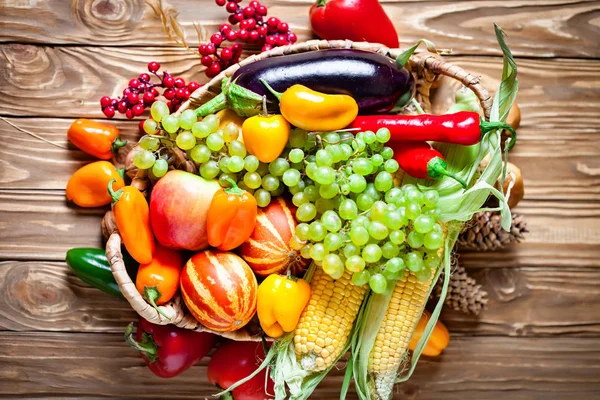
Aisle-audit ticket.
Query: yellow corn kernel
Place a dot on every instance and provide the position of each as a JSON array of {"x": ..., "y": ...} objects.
[{"x": 331, "y": 318}]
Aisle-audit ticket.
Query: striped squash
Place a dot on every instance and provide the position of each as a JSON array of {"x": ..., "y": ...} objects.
[
  {"x": 268, "y": 250},
  {"x": 219, "y": 289}
]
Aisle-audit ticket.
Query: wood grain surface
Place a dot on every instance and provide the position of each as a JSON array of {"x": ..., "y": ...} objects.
[{"x": 539, "y": 337}]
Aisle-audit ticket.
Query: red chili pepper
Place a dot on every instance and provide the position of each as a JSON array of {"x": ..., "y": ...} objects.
[
  {"x": 421, "y": 160},
  {"x": 356, "y": 20},
  {"x": 464, "y": 127},
  {"x": 167, "y": 349},
  {"x": 233, "y": 361}
]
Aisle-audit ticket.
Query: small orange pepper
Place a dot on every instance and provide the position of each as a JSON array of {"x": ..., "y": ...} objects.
[
  {"x": 265, "y": 136},
  {"x": 95, "y": 138},
  {"x": 158, "y": 280},
  {"x": 231, "y": 217},
  {"x": 132, "y": 215},
  {"x": 280, "y": 302},
  {"x": 87, "y": 186},
  {"x": 438, "y": 341}
]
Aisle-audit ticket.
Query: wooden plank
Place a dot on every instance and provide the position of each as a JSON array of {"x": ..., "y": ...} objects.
[
  {"x": 46, "y": 296},
  {"x": 63, "y": 365},
  {"x": 69, "y": 81},
  {"x": 547, "y": 28}
]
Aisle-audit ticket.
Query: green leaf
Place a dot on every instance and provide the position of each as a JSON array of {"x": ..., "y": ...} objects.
[{"x": 403, "y": 58}]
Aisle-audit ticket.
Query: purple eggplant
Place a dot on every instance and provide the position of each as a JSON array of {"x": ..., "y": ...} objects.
[{"x": 372, "y": 79}]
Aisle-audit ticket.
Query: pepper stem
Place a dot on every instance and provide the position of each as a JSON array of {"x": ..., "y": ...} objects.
[
  {"x": 321, "y": 3},
  {"x": 121, "y": 172},
  {"x": 117, "y": 144},
  {"x": 114, "y": 195},
  {"x": 487, "y": 127},
  {"x": 270, "y": 89},
  {"x": 216, "y": 104},
  {"x": 437, "y": 168},
  {"x": 234, "y": 189},
  {"x": 151, "y": 294},
  {"x": 226, "y": 396},
  {"x": 147, "y": 347},
  {"x": 265, "y": 113}
]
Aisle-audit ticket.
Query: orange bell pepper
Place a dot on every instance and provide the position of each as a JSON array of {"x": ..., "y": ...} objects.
[
  {"x": 158, "y": 280},
  {"x": 87, "y": 186},
  {"x": 280, "y": 301},
  {"x": 95, "y": 138},
  {"x": 265, "y": 136},
  {"x": 132, "y": 215},
  {"x": 231, "y": 217},
  {"x": 438, "y": 341}
]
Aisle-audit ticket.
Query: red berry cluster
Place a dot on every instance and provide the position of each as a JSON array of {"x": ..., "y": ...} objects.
[
  {"x": 253, "y": 29},
  {"x": 141, "y": 93}
]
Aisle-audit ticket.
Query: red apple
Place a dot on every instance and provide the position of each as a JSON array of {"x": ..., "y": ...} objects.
[{"x": 178, "y": 209}]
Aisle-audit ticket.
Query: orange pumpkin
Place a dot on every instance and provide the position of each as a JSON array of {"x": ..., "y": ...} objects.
[
  {"x": 268, "y": 250},
  {"x": 219, "y": 289},
  {"x": 438, "y": 340}
]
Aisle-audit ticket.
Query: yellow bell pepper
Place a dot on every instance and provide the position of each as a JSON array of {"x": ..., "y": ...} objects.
[
  {"x": 438, "y": 341},
  {"x": 280, "y": 301},
  {"x": 265, "y": 136}
]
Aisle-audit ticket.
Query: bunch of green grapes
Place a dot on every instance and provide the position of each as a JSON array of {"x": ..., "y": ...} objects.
[{"x": 352, "y": 217}]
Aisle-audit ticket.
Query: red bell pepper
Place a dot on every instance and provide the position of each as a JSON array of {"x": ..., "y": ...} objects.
[
  {"x": 233, "y": 361},
  {"x": 356, "y": 20},
  {"x": 167, "y": 349}
]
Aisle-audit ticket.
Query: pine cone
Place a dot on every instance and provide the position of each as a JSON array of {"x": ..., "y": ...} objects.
[
  {"x": 485, "y": 233},
  {"x": 464, "y": 294}
]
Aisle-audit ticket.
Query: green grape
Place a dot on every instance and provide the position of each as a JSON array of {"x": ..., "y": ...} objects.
[
  {"x": 312, "y": 192},
  {"x": 376, "y": 160},
  {"x": 372, "y": 192},
  {"x": 144, "y": 159},
  {"x": 160, "y": 168},
  {"x": 291, "y": 177},
  {"x": 360, "y": 135},
  {"x": 212, "y": 121},
  {"x": 237, "y": 148},
  {"x": 296, "y": 243},
  {"x": 348, "y": 209},
  {"x": 397, "y": 237},
  {"x": 318, "y": 252},
  {"x": 151, "y": 126},
  {"x": 357, "y": 183},
  {"x": 361, "y": 278},
  {"x": 371, "y": 253},
  {"x": 412, "y": 211},
  {"x": 149, "y": 143},
  {"x": 383, "y": 135},
  {"x": 355, "y": 264},
  {"x": 270, "y": 183},
  {"x": 159, "y": 110},
  {"x": 329, "y": 191},
  {"x": 433, "y": 213},
  {"x": 346, "y": 136},
  {"x": 331, "y": 221},
  {"x": 345, "y": 189},
  {"x": 414, "y": 261},
  {"x": 384, "y": 181},
  {"x": 324, "y": 175},
  {"x": 245, "y": 187},
  {"x": 200, "y": 130},
  {"x": 306, "y": 212},
  {"x": 390, "y": 277},
  {"x": 251, "y": 163},
  {"x": 231, "y": 132},
  {"x": 209, "y": 170},
  {"x": 394, "y": 220},
  {"x": 324, "y": 158},
  {"x": 423, "y": 223},
  {"x": 423, "y": 275},
  {"x": 317, "y": 231},
  {"x": 358, "y": 145},
  {"x": 433, "y": 240},
  {"x": 298, "y": 138},
  {"x": 235, "y": 164},
  {"x": 377, "y": 230},
  {"x": 311, "y": 170},
  {"x": 391, "y": 207},
  {"x": 391, "y": 166},
  {"x": 387, "y": 153},
  {"x": 311, "y": 159},
  {"x": 333, "y": 265},
  {"x": 332, "y": 137},
  {"x": 324, "y": 205},
  {"x": 437, "y": 228},
  {"x": 170, "y": 123},
  {"x": 185, "y": 140},
  {"x": 431, "y": 198},
  {"x": 369, "y": 137},
  {"x": 362, "y": 166},
  {"x": 414, "y": 196},
  {"x": 408, "y": 187},
  {"x": 305, "y": 251},
  {"x": 333, "y": 241},
  {"x": 400, "y": 201},
  {"x": 223, "y": 164},
  {"x": 278, "y": 166},
  {"x": 296, "y": 155},
  {"x": 364, "y": 201},
  {"x": 302, "y": 231},
  {"x": 415, "y": 239},
  {"x": 361, "y": 220},
  {"x": 263, "y": 198},
  {"x": 346, "y": 151},
  {"x": 378, "y": 211},
  {"x": 278, "y": 192},
  {"x": 336, "y": 153},
  {"x": 200, "y": 154},
  {"x": 351, "y": 250},
  {"x": 187, "y": 119},
  {"x": 390, "y": 250},
  {"x": 215, "y": 142},
  {"x": 299, "y": 198},
  {"x": 359, "y": 235},
  {"x": 377, "y": 282},
  {"x": 395, "y": 264},
  {"x": 432, "y": 261},
  {"x": 224, "y": 180}
]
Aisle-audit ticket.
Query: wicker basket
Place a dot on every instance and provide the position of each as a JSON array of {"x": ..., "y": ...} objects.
[{"x": 436, "y": 82}]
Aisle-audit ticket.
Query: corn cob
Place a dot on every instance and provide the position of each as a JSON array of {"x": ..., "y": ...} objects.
[
  {"x": 327, "y": 320},
  {"x": 396, "y": 329}
]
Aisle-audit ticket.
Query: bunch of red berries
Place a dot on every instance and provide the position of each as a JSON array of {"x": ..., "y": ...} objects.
[
  {"x": 253, "y": 29},
  {"x": 141, "y": 93}
]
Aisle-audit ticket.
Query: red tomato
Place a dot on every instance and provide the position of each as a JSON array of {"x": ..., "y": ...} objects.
[{"x": 233, "y": 361}]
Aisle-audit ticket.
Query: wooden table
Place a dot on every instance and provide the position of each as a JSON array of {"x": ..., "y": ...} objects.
[{"x": 540, "y": 337}]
